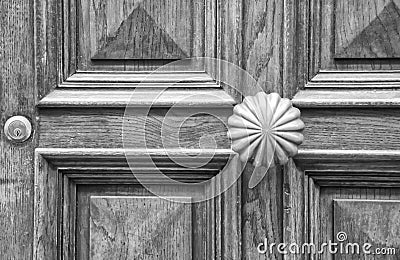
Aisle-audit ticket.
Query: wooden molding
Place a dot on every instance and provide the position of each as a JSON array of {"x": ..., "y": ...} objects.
[
  {"x": 135, "y": 77},
  {"x": 121, "y": 98},
  {"x": 330, "y": 98},
  {"x": 348, "y": 160},
  {"x": 355, "y": 79},
  {"x": 59, "y": 171}
]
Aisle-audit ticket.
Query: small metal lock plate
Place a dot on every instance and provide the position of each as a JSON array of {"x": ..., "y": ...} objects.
[{"x": 18, "y": 129}]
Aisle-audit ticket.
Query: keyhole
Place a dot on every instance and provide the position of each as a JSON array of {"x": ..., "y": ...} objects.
[
  {"x": 17, "y": 132},
  {"x": 18, "y": 129}
]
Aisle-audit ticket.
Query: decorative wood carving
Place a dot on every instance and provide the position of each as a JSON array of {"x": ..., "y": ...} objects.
[{"x": 264, "y": 127}]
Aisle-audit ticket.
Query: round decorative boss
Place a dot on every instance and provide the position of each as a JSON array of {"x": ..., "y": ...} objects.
[{"x": 266, "y": 129}]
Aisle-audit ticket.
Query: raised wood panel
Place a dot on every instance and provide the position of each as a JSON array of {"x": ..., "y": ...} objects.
[
  {"x": 67, "y": 179},
  {"x": 143, "y": 29},
  {"x": 353, "y": 30},
  {"x": 137, "y": 35},
  {"x": 324, "y": 222},
  {"x": 140, "y": 228},
  {"x": 367, "y": 29},
  {"x": 376, "y": 222}
]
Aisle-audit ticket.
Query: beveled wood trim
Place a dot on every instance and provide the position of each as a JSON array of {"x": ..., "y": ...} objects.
[
  {"x": 57, "y": 171},
  {"x": 139, "y": 77},
  {"x": 355, "y": 79},
  {"x": 139, "y": 98},
  {"x": 346, "y": 98},
  {"x": 82, "y": 157},
  {"x": 348, "y": 160},
  {"x": 312, "y": 19},
  {"x": 63, "y": 53}
]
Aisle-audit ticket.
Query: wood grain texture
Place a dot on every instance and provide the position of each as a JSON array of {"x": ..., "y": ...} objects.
[
  {"x": 348, "y": 160},
  {"x": 263, "y": 44},
  {"x": 17, "y": 97},
  {"x": 351, "y": 129},
  {"x": 355, "y": 79},
  {"x": 367, "y": 29},
  {"x": 368, "y": 221},
  {"x": 255, "y": 44},
  {"x": 142, "y": 29},
  {"x": 322, "y": 214},
  {"x": 78, "y": 174},
  {"x": 177, "y": 30},
  {"x": 295, "y": 207},
  {"x": 200, "y": 243},
  {"x": 46, "y": 199},
  {"x": 140, "y": 227},
  {"x": 322, "y": 36},
  {"x": 295, "y": 199},
  {"x": 347, "y": 98},
  {"x": 160, "y": 76},
  {"x": 104, "y": 128},
  {"x": 145, "y": 98}
]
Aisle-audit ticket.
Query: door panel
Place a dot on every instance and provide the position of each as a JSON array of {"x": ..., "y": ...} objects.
[
  {"x": 137, "y": 227},
  {"x": 151, "y": 228},
  {"x": 359, "y": 36},
  {"x": 355, "y": 215},
  {"x": 87, "y": 202},
  {"x": 138, "y": 35}
]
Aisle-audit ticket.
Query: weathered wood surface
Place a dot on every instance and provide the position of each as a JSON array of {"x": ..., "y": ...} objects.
[
  {"x": 351, "y": 18},
  {"x": 105, "y": 128},
  {"x": 176, "y": 77},
  {"x": 140, "y": 227},
  {"x": 324, "y": 222},
  {"x": 143, "y": 29},
  {"x": 102, "y": 172},
  {"x": 146, "y": 98},
  {"x": 367, "y": 29},
  {"x": 351, "y": 129},
  {"x": 269, "y": 39},
  {"x": 256, "y": 28},
  {"x": 347, "y": 98},
  {"x": 376, "y": 222},
  {"x": 17, "y": 97}
]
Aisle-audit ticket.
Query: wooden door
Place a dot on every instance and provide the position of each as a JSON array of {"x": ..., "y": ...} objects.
[{"x": 71, "y": 67}]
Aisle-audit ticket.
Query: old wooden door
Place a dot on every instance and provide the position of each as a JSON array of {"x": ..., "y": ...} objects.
[{"x": 72, "y": 66}]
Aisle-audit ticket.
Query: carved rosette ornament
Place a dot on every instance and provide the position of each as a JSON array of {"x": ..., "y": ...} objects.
[{"x": 266, "y": 129}]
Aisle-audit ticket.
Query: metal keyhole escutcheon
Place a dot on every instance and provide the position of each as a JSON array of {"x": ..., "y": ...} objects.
[{"x": 18, "y": 129}]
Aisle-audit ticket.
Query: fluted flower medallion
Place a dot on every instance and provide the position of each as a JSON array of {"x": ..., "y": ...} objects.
[{"x": 263, "y": 128}]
